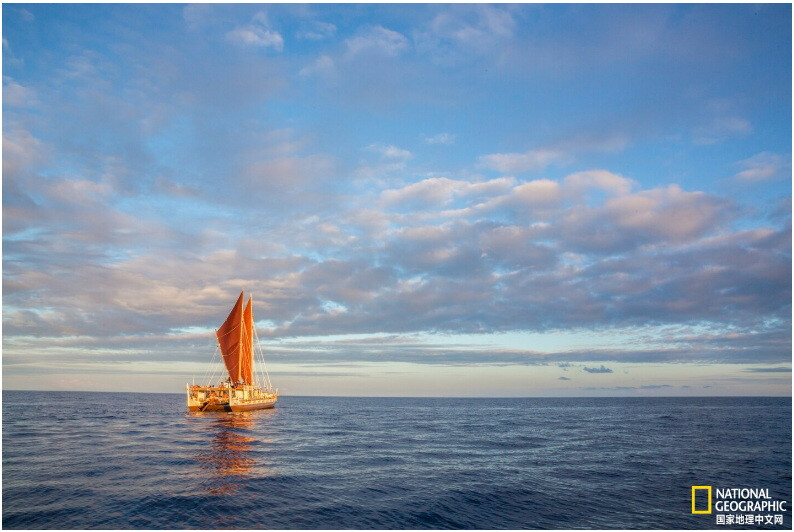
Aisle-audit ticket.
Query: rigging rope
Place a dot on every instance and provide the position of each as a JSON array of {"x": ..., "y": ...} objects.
[
  {"x": 212, "y": 369},
  {"x": 265, "y": 384}
]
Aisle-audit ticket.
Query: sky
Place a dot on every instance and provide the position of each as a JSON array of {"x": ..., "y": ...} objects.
[{"x": 423, "y": 200}]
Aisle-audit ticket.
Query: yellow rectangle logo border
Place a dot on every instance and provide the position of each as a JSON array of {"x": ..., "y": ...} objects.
[{"x": 694, "y": 489}]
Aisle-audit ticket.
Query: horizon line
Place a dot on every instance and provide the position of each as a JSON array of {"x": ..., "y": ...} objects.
[{"x": 438, "y": 396}]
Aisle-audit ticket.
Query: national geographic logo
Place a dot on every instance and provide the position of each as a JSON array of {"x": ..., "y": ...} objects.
[
  {"x": 739, "y": 506},
  {"x": 705, "y": 492}
]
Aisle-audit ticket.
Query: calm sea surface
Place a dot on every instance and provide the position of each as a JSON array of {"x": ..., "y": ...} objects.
[{"x": 103, "y": 460}]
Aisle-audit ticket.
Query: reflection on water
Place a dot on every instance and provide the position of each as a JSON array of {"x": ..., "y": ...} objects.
[{"x": 230, "y": 456}]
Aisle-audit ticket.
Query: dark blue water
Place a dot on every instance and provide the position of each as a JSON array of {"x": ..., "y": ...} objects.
[{"x": 100, "y": 460}]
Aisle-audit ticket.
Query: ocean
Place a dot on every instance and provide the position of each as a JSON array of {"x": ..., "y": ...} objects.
[{"x": 123, "y": 460}]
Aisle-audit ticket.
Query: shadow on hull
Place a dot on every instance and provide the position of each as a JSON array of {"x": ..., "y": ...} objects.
[{"x": 225, "y": 407}]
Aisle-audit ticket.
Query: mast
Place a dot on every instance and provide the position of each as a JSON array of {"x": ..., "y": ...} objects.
[
  {"x": 252, "y": 333},
  {"x": 240, "y": 344},
  {"x": 246, "y": 343}
]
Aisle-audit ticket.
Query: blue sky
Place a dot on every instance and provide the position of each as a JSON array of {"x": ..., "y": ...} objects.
[{"x": 488, "y": 200}]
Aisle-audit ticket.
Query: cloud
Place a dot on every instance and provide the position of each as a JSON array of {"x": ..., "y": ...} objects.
[
  {"x": 389, "y": 151},
  {"x": 26, "y": 15},
  {"x": 275, "y": 179},
  {"x": 388, "y": 159},
  {"x": 722, "y": 125},
  {"x": 377, "y": 40},
  {"x": 441, "y": 138},
  {"x": 433, "y": 250},
  {"x": 437, "y": 190},
  {"x": 16, "y": 95},
  {"x": 763, "y": 166},
  {"x": 441, "y": 191},
  {"x": 768, "y": 370},
  {"x": 257, "y": 33},
  {"x": 454, "y": 34},
  {"x": 659, "y": 215},
  {"x": 611, "y": 388},
  {"x": 563, "y": 378},
  {"x": 256, "y": 36},
  {"x": 316, "y": 31},
  {"x": 185, "y": 332},
  {"x": 630, "y": 388},
  {"x": 722, "y": 128},
  {"x": 601, "y": 369},
  {"x": 520, "y": 162},
  {"x": 324, "y": 66},
  {"x": 170, "y": 188},
  {"x": 602, "y": 180},
  {"x": 9, "y": 57},
  {"x": 537, "y": 192},
  {"x": 560, "y": 152},
  {"x": 517, "y": 247},
  {"x": 21, "y": 151}
]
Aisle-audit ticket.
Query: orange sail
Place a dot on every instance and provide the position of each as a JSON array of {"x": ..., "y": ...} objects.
[
  {"x": 247, "y": 359},
  {"x": 235, "y": 338}
]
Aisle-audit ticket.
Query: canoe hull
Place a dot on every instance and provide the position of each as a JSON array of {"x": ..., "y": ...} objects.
[
  {"x": 226, "y": 407},
  {"x": 227, "y": 398}
]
